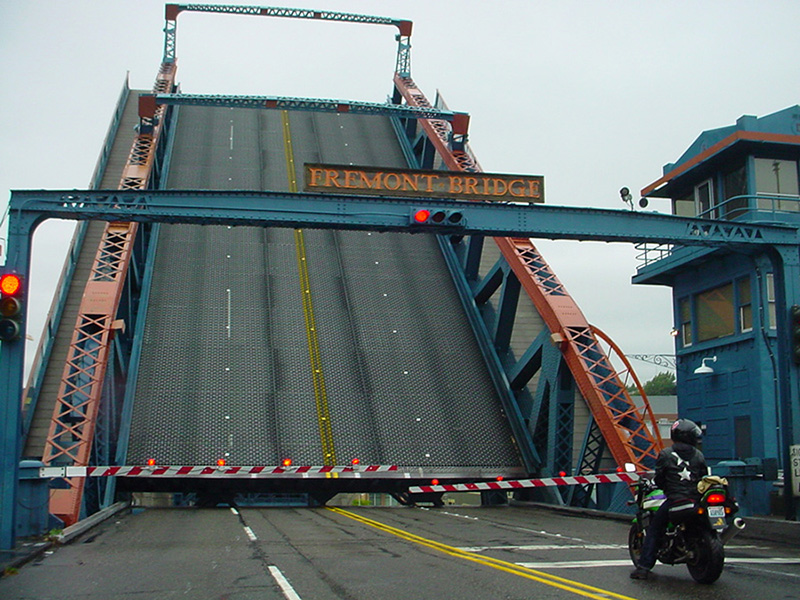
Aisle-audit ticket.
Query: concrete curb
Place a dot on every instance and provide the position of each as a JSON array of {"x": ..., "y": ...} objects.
[{"x": 17, "y": 558}]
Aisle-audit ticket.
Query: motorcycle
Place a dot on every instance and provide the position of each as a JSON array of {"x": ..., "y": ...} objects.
[{"x": 697, "y": 532}]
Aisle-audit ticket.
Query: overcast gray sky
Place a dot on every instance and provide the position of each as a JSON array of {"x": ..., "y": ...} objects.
[{"x": 591, "y": 95}]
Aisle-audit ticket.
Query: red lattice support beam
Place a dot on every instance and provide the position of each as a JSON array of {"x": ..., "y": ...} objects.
[{"x": 72, "y": 427}]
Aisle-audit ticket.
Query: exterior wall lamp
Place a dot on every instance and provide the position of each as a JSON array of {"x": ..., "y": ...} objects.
[{"x": 704, "y": 368}]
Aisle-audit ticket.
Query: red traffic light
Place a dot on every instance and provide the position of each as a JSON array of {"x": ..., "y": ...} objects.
[
  {"x": 441, "y": 217},
  {"x": 10, "y": 284},
  {"x": 422, "y": 215},
  {"x": 11, "y": 309}
]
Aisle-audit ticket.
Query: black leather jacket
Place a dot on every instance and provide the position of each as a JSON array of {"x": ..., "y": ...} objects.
[{"x": 678, "y": 469}]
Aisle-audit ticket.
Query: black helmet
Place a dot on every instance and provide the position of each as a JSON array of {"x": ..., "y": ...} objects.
[{"x": 686, "y": 431}]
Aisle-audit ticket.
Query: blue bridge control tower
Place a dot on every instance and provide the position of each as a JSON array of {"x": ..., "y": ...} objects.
[{"x": 728, "y": 318}]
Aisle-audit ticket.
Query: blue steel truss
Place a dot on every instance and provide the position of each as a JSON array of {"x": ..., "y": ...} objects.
[
  {"x": 305, "y": 104},
  {"x": 291, "y": 13},
  {"x": 402, "y": 66}
]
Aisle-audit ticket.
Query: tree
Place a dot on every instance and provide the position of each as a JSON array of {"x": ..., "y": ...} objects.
[{"x": 662, "y": 384}]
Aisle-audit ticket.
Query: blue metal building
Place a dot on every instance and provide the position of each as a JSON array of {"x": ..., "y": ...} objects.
[{"x": 725, "y": 320}]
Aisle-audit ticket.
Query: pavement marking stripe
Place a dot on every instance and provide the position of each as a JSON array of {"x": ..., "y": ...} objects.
[
  {"x": 568, "y": 585},
  {"x": 584, "y": 564},
  {"x": 286, "y": 587},
  {"x": 250, "y": 534}
]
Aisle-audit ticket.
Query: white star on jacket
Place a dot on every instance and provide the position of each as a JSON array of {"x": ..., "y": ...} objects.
[{"x": 686, "y": 475}]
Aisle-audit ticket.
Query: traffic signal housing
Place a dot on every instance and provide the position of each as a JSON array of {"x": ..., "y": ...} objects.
[
  {"x": 11, "y": 307},
  {"x": 794, "y": 329},
  {"x": 440, "y": 217}
]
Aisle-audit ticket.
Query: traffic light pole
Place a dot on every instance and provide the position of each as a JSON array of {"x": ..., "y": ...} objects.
[{"x": 12, "y": 365}]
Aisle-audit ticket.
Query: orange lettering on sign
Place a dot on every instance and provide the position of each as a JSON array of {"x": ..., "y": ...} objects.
[
  {"x": 332, "y": 178},
  {"x": 349, "y": 180},
  {"x": 429, "y": 178},
  {"x": 375, "y": 184},
  {"x": 456, "y": 185},
  {"x": 498, "y": 191},
  {"x": 470, "y": 185},
  {"x": 395, "y": 184},
  {"x": 517, "y": 193},
  {"x": 533, "y": 188},
  {"x": 315, "y": 175},
  {"x": 410, "y": 184}
]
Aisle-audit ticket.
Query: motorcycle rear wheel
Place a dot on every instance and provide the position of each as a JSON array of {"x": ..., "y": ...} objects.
[
  {"x": 635, "y": 542},
  {"x": 709, "y": 557}
]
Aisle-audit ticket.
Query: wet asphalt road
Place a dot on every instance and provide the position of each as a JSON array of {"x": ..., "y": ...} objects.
[{"x": 380, "y": 553}]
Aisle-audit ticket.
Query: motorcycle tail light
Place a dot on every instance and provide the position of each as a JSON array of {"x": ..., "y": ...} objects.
[{"x": 716, "y": 499}]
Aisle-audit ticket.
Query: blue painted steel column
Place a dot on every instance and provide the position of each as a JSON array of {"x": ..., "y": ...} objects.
[
  {"x": 786, "y": 263},
  {"x": 12, "y": 363}
]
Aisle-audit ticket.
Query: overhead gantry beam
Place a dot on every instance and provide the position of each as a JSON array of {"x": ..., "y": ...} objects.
[
  {"x": 404, "y": 27},
  {"x": 381, "y": 213}
]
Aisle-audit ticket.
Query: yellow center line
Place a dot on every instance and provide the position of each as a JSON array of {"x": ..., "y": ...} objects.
[
  {"x": 317, "y": 377},
  {"x": 568, "y": 585}
]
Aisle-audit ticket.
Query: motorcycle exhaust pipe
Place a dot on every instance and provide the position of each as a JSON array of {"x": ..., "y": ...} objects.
[{"x": 727, "y": 535}]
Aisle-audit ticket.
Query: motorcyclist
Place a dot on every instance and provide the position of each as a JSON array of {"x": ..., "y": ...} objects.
[{"x": 678, "y": 469}]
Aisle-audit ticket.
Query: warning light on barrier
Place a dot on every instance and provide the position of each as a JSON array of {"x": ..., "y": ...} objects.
[
  {"x": 562, "y": 473},
  {"x": 221, "y": 462},
  {"x": 11, "y": 307},
  {"x": 151, "y": 462},
  {"x": 286, "y": 462},
  {"x": 499, "y": 478},
  {"x": 355, "y": 462},
  {"x": 434, "y": 482},
  {"x": 424, "y": 216}
]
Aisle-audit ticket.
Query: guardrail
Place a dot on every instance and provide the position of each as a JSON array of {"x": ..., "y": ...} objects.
[{"x": 749, "y": 208}]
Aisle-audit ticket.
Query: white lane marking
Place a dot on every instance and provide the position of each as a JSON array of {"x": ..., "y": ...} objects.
[
  {"x": 583, "y": 564},
  {"x": 228, "y": 290},
  {"x": 775, "y": 560},
  {"x": 768, "y": 571},
  {"x": 250, "y": 534},
  {"x": 575, "y": 564},
  {"x": 286, "y": 587},
  {"x": 231, "y": 137},
  {"x": 234, "y": 511},
  {"x": 461, "y": 516}
]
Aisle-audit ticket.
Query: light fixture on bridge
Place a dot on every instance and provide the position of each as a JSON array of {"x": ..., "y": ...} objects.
[
  {"x": 627, "y": 198},
  {"x": 704, "y": 369}
]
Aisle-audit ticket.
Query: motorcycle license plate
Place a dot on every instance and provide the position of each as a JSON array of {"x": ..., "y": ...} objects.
[{"x": 716, "y": 516}]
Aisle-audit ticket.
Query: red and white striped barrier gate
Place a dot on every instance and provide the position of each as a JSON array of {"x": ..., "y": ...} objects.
[
  {"x": 221, "y": 471},
  {"x": 525, "y": 483}
]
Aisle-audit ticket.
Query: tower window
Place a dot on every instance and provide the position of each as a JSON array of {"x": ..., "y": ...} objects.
[
  {"x": 715, "y": 313},
  {"x": 745, "y": 304}
]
